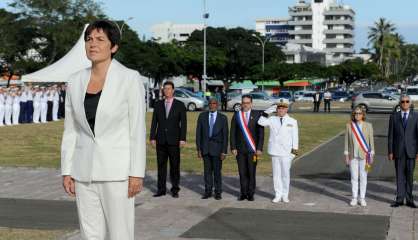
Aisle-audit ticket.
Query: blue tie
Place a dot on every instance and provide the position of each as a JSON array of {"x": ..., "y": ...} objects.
[
  {"x": 404, "y": 120},
  {"x": 211, "y": 123}
]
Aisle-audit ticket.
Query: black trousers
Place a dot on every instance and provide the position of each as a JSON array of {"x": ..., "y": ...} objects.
[
  {"x": 404, "y": 177},
  {"x": 169, "y": 153},
  {"x": 29, "y": 112},
  {"x": 224, "y": 105},
  {"x": 246, "y": 169},
  {"x": 61, "y": 110},
  {"x": 49, "y": 112},
  {"x": 316, "y": 106},
  {"x": 22, "y": 112},
  {"x": 327, "y": 105},
  {"x": 212, "y": 173}
]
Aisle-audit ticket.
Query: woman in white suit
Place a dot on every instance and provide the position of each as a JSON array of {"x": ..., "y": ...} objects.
[
  {"x": 283, "y": 147},
  {"x": 103, "y": 147}
]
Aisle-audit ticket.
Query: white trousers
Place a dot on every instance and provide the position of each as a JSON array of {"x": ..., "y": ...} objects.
[
  {"x": 357, "y": 169},
  {"x": 281, "y": 175},
  {"x": 16, "y": 113},
  {"x": 1, "y": 115},
  {"x": 55, "y": 111},
  {"x": 8, "y": 114},
  {"x": 44, "y": 111},
  {"x": 105, "y": 211},
  {"x": 36, "y": 112}
]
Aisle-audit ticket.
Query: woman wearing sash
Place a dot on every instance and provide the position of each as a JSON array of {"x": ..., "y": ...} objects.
[{"x": 359, "y": 152}]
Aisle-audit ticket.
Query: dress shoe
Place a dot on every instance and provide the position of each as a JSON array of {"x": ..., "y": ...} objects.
[
  {"x": 175, "y": 195},
  {"x": 276, "y": 199},
  {"x": 242, "y": 197},
  {"x": 285, "y": 200},
  {"x": 206, "y": 196},
  {"x": 218, "y": 196},
  {"x": 250, "y": 198},
  {"x": 159, "y": 194},
  {"x": 411, "y": 205},
  {"x": 396, "y": 204}
]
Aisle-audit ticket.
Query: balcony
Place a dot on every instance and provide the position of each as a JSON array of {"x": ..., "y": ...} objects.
[
  {"x": 339, "y": 31},
  {"x": 340, "y": 50},
  {"x": 301, "y": 41},
  {"x": 297, "y": 32},
  {"x": 339, "y": 40},
  {"x": 342, "y": 12},
  {"x": 301, "y": 13},
  {"x": 300, "y": 23},
  {"x": 339, "y": 22}
]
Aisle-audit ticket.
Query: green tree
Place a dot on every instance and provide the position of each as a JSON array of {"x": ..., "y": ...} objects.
[{"x": 378, "y": 36}]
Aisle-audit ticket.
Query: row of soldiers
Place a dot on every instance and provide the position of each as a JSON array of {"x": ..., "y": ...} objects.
[{"x": 38, "y": 104}]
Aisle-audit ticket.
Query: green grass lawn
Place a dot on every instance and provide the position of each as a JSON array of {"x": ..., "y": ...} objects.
[{"x": 38, "y": 145}]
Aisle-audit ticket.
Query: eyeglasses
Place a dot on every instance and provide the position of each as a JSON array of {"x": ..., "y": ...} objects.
[
  {"x": 358, "y": 113},
  {"x": 405, "y": 101}
]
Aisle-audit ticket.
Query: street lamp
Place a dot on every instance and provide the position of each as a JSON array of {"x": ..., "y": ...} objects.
[
  {"x": 205, "y": 17},
  {"x": 263, "y": 43}
]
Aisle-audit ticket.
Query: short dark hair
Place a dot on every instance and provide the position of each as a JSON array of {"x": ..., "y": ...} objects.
[
  {"x": 247, "y": 96},
  {"x": 169, "y": 83},
  {"x": 108, "y": 27}
]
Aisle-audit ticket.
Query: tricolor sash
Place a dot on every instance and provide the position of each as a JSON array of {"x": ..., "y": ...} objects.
[
  {"x": 361, "y": 141},
  {"x": 242, "y": 123}
]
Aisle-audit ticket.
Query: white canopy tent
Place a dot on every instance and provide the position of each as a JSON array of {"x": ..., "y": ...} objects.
[{"x": 59, "y": 71}]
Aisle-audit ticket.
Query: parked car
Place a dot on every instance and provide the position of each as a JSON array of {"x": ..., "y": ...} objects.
[
  {"x": 261, "y": 101},
  {"x": 306, "y": 97},
  {"x": 283, "y": 94},
  {"x": 340, "y": 96},
  {"x": 191, "y": 100},
  {"x": 412, "y": 92},
  {"x": 376, "y": 101}
]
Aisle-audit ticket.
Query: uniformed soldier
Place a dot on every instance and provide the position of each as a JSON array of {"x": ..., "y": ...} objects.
[
  {"x": 37, "y": 104},
  {"x": 29, "y": 104},
  {"x": 55, "y": 102},
  {"x": 16, "y": 106},
  {"x": 23, "y": 104},
  {"x": 8, "y": 107},
  {"x": 2, "y": 102},
  {"x": 283, "y": 147},
  {"x": 44, "y": 104}
]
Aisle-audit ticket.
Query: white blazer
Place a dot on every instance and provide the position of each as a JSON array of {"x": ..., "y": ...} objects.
[
  {"x": 117, "y": 150},
  {"x": 283, "y": 137}
]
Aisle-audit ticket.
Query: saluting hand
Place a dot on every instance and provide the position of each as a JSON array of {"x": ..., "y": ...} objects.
[{"x": 153, "y": 143}]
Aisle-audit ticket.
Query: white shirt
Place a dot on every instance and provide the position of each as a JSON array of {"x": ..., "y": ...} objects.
[
  {"x": 327, "y": 95},
  {"x": 29, "y": 95},
  {"x": 407, "y": 114},
  {"x": 247, "y": 115},
  {"x": 23, "y": 97},
  {"x": 2, "y": 99},
  {"x": 215, "y": 114}
]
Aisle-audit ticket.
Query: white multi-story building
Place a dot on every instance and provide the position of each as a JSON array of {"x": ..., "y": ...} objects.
[
  {"x": 321, "y": 25},
  {"x": 168, "y": 31},
  {"x": 276, "y": 29}
]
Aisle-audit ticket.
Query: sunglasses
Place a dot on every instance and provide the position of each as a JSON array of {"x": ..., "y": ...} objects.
[{"x": 404, "y": 101}]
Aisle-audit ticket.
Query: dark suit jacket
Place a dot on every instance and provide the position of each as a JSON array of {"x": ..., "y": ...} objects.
[
  {"x": 400, "y": 138},
  {"x": 169, "y": 130},
  {"x": 216, "y": 144},
  {"x": 257, "y": 132},
  {"x": 319, "y": 98}
]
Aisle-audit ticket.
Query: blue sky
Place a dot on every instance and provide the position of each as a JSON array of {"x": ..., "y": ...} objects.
[{"x": 232, "y": 13}]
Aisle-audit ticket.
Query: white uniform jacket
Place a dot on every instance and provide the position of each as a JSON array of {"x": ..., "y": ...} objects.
[
  {"x": 283, "y": 137},
  {"x": 117, "y": 150}
]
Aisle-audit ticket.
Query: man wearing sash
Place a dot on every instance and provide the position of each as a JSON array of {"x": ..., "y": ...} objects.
[
  {"x": 359, "y": 152},
  {"x": 402, "y": 147},
  {"x": 246, "y": 140}
]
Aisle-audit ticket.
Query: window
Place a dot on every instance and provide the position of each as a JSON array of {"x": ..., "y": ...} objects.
[
  {"x": 257, "y": 96},
  {"x": 412, "y": 91},
  {"x": 179, "y": 94},
  {"x": 373, "y": 95}
]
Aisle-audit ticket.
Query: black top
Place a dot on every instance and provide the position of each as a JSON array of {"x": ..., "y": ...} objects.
[{"x": 90, "y": 105}]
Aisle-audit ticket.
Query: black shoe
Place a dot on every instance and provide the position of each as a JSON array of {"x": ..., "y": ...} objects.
[
  {"x": 396, "y": 204},
  {"x": 206, "y": 196},
  {"x": 175, "y": 195},
  {"x": 242, "y": 197},
  {"x": 218, "y": 196},
  {"x": 250, "y": 198},
  {"x": 159, "y": 194},
  {"x": 411, "y": 205}
]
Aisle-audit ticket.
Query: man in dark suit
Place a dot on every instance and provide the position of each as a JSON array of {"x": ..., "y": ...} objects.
[
  {"x": 212, "y": 146},
  {"x": 244, "y": 151},
  {"x": 317, "y": 101},
  {"x": 168, "y": 134},
  {"x": 402, "y": 147}
]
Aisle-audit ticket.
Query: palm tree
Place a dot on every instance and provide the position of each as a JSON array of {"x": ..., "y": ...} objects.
[{"x": 377, "y": 36}]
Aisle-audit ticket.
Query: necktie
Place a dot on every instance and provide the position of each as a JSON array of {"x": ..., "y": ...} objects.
[
  {"x": 247, "y": 117},
  {"x": 167, "y": 109},
  {"x": 281, "y": 121},
  {"x": 404, "y": 120},
  {"x": 211, "y": 123}
]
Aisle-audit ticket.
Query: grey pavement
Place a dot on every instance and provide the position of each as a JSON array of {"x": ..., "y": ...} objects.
[{"x": 318, "y": 193}]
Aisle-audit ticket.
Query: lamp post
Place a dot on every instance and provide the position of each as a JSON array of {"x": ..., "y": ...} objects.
[
  {"x": 263, "y": 44},
  {"x": 205, "y": 17}
]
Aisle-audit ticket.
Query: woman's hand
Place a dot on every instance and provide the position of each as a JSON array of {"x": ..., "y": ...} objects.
[
  {"x": 135, "y": 186},
  {"x": 69, "y": 185}
]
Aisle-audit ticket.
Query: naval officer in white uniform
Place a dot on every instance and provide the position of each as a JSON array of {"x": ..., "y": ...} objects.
[{"x": 283, "y": 146}]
